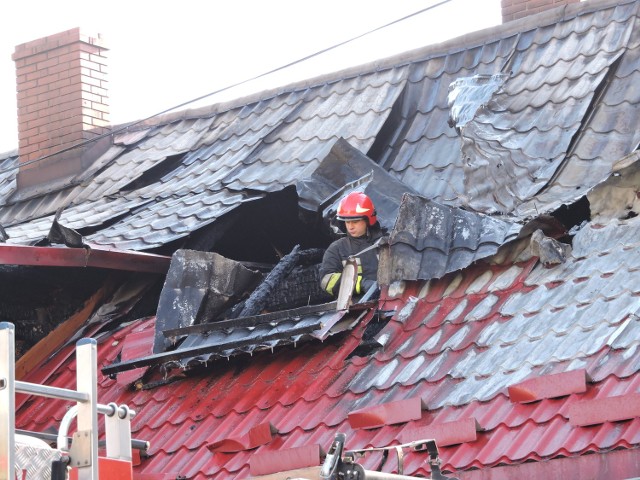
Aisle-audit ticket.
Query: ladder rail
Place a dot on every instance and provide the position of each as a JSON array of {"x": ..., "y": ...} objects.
[
  {"x": 85, "y": 410},
  {"x": 50, "y": 392},
  {"x": 7, "y": 402}
]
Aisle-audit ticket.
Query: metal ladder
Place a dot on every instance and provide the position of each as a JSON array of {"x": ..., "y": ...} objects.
[{"x": 83, "y": 453}]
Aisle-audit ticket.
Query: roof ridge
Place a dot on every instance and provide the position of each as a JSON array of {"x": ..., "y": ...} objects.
[{"x": 400, "y": 60}]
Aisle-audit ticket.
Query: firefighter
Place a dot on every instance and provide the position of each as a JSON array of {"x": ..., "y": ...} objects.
[{"x": 358, "y": 213}]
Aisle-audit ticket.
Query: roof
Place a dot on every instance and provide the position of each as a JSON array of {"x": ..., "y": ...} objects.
[
  {"x": 564, "y": 75},
  {"x": 515, "y": 364},
  {"x": 459, "y": 347}
]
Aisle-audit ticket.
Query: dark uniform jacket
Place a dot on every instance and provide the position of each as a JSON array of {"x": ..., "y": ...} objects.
[{"x": 340, "y": 250}]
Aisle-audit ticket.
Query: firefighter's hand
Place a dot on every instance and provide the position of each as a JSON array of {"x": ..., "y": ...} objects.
[{"x": 362, "y": 285}]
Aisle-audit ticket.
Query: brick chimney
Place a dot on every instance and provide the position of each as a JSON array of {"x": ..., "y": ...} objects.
[
  {"x": 62, "y": 102},
  {"x": 514, "y": 9}
]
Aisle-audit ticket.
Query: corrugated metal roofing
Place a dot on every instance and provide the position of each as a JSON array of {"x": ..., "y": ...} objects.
[
  {"x": 203, "y": 343},
  {"x": 459, "y": 345},
  {"x": 571, "y": 75},
  {"x": 261, "y": 147},
  {"x": 562, "y": 116},
  {"x": 430, "y": 240}
]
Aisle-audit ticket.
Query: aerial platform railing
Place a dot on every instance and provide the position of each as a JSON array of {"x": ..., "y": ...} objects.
[{"x": 82, "y": 455}]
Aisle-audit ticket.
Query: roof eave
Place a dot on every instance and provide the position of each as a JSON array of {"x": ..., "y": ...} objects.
[{"x": 95, "y": 256}]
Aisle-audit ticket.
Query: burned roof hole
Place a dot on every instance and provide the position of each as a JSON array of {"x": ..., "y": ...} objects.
[
  {"x": 574, "y": 215},
  {"x": 384, "y": 147},
  {"x": 369, "y": 343},
  {"x": 265, "y": 230},
  {"x": 36, "y": 299},
  {"x": 155, "y": 173}
]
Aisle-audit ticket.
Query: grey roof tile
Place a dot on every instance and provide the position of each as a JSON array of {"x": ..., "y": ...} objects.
[
  {"x": 573, "y": 78},
  {"x": 569, "y": 323}
]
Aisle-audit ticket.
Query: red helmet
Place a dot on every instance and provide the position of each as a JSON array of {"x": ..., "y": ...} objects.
[{"x": 356, "y": 206}]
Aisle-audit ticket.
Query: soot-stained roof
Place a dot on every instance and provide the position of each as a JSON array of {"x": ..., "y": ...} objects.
[{"x": 480, "y": 153}]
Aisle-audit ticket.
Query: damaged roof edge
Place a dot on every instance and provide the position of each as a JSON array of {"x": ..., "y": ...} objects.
[{"x": 95, "y": 256}]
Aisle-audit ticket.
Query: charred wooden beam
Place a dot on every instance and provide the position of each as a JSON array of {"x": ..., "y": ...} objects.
[{"x": 260, "y": 296}]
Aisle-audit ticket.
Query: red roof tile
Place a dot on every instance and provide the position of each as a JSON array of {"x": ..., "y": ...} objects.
[
  {"x": 445, "y": 434},
  {"x": 387, "y": 413},
  {"x": 311, "y": 392},
  {"x": 256, "y": 436},
  {"x": 549, "y": 386},
  {"x": 138, "y": 343},
  {"x": 291, "y": 459},
  {"x": 593, "y": 412}
]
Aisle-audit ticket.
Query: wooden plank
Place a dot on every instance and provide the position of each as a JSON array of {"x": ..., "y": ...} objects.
[{"x": 56, "y": 338}]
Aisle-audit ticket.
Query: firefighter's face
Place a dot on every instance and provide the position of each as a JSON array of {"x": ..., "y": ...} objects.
[{"x": 356, "y": 228}]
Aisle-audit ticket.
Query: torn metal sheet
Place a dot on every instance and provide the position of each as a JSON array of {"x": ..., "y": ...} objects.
[
  {"x": 207, "y": 342},
  {"x": 271, "y": 318},
  {"x": 118, "y": 305},
  {"x": 430, "y": 240},
  {"x": 65, "y": 235},
  {"x": 549, "y": 250},
  {"x": 467, "y": 95},
  {"x": 296, "y": 326},
  {"x": 346, "y": 165},
  {"x": 245, "y": 335},
  {"x": 199, "y": 285}
]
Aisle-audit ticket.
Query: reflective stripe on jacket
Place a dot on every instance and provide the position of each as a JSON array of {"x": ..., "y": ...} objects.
[{"x": 340, "y": 250}]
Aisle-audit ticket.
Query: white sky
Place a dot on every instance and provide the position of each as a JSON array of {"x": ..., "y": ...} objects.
[{"x": 165, "y": 53}]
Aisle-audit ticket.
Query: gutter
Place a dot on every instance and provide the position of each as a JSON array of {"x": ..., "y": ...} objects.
[{"x": 92, "y": 256}]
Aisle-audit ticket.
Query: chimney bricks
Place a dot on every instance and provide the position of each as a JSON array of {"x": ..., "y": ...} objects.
[
  {"x": 514, "y": 9},
  {"x": 62, "y": 102}
]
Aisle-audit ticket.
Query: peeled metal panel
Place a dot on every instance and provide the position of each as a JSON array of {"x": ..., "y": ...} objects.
[
  {"x": 429, "y": 240},
  {"x": 519, "y": 161},
  {"x": 198, "y": 286},
  {"x": 342, "y": 166}
]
